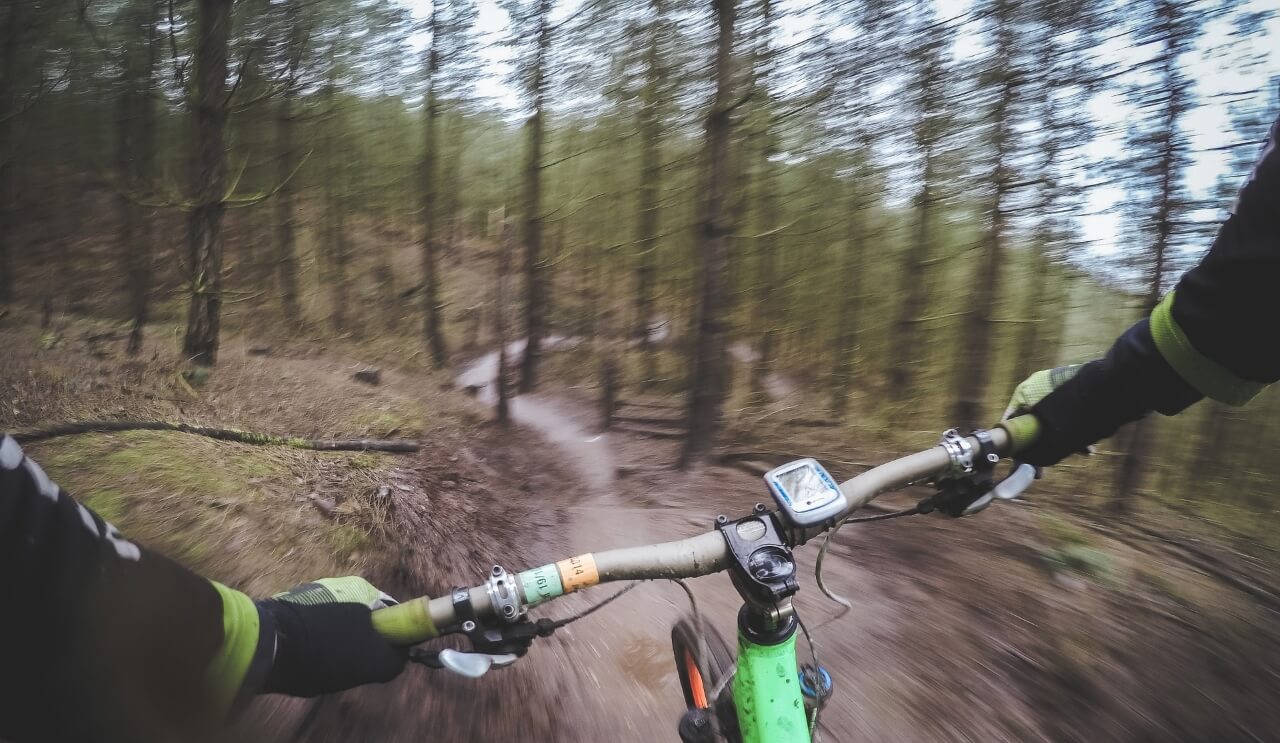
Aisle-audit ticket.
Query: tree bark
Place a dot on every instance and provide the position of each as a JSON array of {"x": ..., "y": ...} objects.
[
  {"x": 905, "y": 350},
  {"x": 710, "y": 378},
  {"x": 1037, "y": 343},
  {"x": 1133, "y": 468},
  {"x": 977, "y": 333},
  {"x": 286, "y": 217},
  {"x": 501, "y": 267},
  {"x": 135, "y": 154},
  {"x": 1211, "y": 448},
  {"x": 8, "y": 110},
  {"x": 1033, "y": 340},
  {"x": 851, "y": 267},
  {"x": 431, "y": 305},
  {"x": 336, "y": 238},
  {"x": 535, "y": 289},
  {"x": 766, "y": 282},
  {"x": 650, "y": 126},
  {"x": 208, "y": 182}
]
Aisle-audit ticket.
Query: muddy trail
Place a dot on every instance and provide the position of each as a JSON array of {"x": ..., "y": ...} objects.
[{"x": 958, "y": 632}]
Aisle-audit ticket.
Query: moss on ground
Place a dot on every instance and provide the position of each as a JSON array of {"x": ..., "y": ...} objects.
[
  {"x": 1069, "y": 548},
  {"x": 405, "y": 421},
  {"x": 233, "y": 512}
]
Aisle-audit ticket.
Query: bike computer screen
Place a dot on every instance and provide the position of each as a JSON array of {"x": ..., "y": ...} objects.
[{"x": 805, "y": 492}]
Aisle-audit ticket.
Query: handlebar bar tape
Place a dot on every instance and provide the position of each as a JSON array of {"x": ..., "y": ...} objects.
[{"x": 406, "y": 624}]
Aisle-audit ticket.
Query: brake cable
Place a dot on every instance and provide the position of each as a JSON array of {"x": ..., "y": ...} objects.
[
  {"x": 556, "y": 624},
  {"x": 509, "y": 638},
  {"x": 826, "y": 544}
]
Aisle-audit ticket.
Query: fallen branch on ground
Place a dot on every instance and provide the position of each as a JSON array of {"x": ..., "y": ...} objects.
[{"x": 222, "y": 434}]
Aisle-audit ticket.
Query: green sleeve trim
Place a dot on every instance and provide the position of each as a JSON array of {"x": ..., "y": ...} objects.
[
  {"x": 239, "y": 642},
  {"x": 1209, "y": 377}
]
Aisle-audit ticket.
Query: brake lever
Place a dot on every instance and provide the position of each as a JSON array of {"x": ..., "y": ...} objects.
[
  {"x": 1007, "y": 489},
  {"x": 469, "y": 665}
]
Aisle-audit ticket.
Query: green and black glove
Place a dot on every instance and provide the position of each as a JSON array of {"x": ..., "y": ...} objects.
[
  {"x": 1025, "y": 429},
  {"x": 325, "y": 640}
]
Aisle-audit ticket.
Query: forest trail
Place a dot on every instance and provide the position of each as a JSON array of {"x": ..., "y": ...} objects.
[
  {"x": 617, "y": 664},
  {"x": 588, "y": 453}
]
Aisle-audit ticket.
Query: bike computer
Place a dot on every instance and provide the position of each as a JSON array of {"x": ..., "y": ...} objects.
[{"x": 805, "y": 492}]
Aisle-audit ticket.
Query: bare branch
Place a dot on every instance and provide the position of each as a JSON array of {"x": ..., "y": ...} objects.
[
  {"x": 243, "y": 201},
  {"x": 226, "y": 102}
]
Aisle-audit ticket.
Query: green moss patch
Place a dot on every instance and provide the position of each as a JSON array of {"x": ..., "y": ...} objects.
[{"x": 237, "y": 513}]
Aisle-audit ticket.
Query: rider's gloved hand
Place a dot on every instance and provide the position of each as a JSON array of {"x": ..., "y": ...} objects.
[
  {"x": 325, "y": 640},
  {"x": 1037, "y": 387},
  {"x": 1032, "y": 443}
]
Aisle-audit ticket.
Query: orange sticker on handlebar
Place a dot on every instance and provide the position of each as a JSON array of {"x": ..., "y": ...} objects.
[{"x": 578, "y": 572}]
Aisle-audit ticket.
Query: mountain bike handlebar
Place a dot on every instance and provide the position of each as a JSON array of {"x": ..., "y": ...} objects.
[{"x": 504, "y": 597}]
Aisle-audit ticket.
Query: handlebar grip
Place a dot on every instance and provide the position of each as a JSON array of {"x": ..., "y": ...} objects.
[
  {"x": 1023, "y": 431},
  {"x": 408, "y": 623}
]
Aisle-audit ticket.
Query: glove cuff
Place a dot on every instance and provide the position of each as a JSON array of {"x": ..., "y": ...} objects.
[
  {"x": 287, "y": 631},
  {"x": 323, "y": 648}
]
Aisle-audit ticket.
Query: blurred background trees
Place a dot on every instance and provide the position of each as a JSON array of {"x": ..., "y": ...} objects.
[{"x": 901, "y": 208}]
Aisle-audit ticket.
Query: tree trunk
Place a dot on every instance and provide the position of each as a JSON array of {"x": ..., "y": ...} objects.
[
  {"x": 1211, "y": 448},
  {"x": 451, "y": 203},
  {"x": 339, "y": 255},
  {"x": 501, "y": 267},
  {"x": 535, "y": 289},
  {"x": 766, "y": 282},
  {"x": 286, "y": 219},
  {"x": 977, "y": 334},
  {"x": 648, "y": 195},
  {"x": 1133, "y": 466},
  {"x": 850, "y": 283},
  {"x": 135, "y": 154},
  {"x": 431, "y": 306},
  {"x": 1033, "y": 341},
  {"x": 906, "y": 349},
  {"x": 710, "y": 378},
  {"x": 208, "y": 179},
  {"x": 1133, "y": 469},
  {"x": 8, "y": 110},
  {"x": 1036, "y": 344}
]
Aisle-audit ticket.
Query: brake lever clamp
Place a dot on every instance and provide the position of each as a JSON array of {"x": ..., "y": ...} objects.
[
  {"x": 965, "y": 489},
  {"x": 509, "y": 638},
  {"x": 956, "y": 495},
  {"x": 959, "y": 451}
]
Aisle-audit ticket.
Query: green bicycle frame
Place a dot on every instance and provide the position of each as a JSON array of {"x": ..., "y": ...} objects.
[{"x": 766, "y": 692}]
